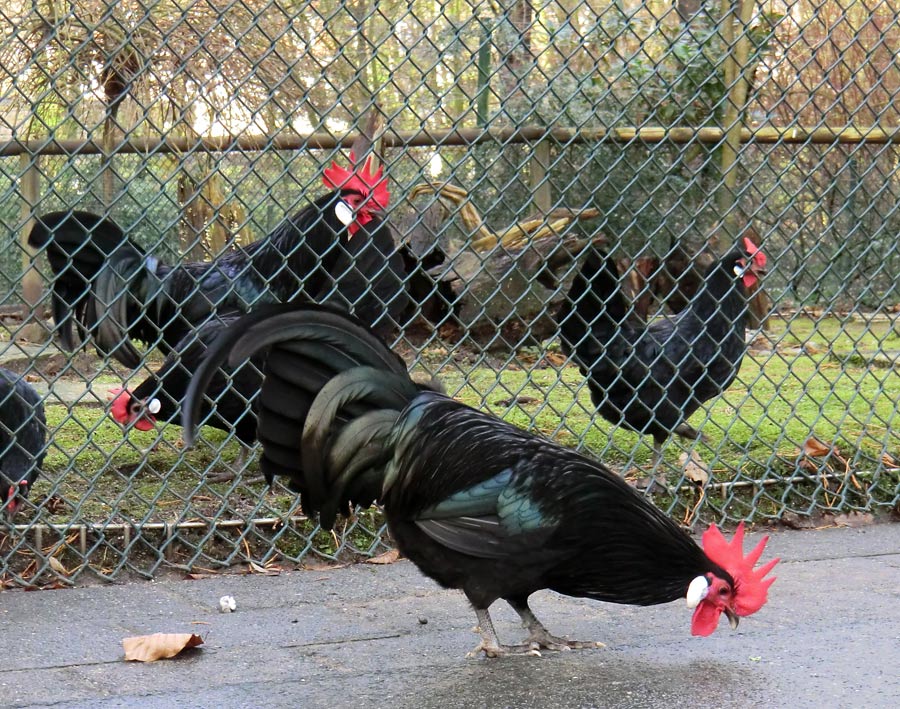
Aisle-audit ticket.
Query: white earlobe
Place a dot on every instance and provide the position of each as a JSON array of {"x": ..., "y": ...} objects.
[
  {"x": 739, "y": 271},
  {"x": 343, "y": 212},
  {"x": 154, "y": 406},
  {"x": 697, "y": 591}
]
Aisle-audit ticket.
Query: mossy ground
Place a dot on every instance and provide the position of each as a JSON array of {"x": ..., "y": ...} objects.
[{"x": 809, "y": 378}]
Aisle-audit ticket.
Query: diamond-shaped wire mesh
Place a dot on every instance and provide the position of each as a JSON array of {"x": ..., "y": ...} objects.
[{"x": 517, "y": 137}]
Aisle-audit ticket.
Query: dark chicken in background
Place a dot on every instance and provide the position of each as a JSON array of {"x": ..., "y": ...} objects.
[
  {"x": 338, "y": 249},
  {"x": 23, "y": 434},
  {"x": 476, "y": 503},
  {"x": 230, "y": 397},
  {"x": 651, "y": 378}
]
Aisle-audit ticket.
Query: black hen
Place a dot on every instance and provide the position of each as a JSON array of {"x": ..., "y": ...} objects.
[
  {"x": 474, "y": 502},
  {"x": 23, "y": 434},
  {"x": 231, "y": 394},
  {"x": 339, "y": 249},
  {"x": 652, "y": 378}
]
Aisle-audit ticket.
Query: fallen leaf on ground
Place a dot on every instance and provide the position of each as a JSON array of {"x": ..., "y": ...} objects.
[
  {"x": 158, "y": 646},
  {"x": 264, "y": 570},
  {"x": 556, "y": 359},
  {"x": 888, "y": 461},
  {"x": 388, "y": 557},
  {"x": 694, "y": 468},
  {"x": 57, "y": 566},
  {"x": 815, "y": 448}
]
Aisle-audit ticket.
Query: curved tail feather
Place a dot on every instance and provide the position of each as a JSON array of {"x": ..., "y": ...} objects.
[
  {"x": 331, "y": 394},
  {"x": 594, "y": 309},
  {"x": 96, "y": 268}
]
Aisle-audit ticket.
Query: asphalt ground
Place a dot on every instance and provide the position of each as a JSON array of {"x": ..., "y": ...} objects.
[{"x": 386, "y": 636}]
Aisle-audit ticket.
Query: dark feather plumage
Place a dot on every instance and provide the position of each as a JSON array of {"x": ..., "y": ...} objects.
[
  {"x": 23, "y": 434},
  {"x": 652, "y": 378},
  {"x": 116, "y": 293},
  {"x": 474, "y": 502},
  {"x": 230, "y": 401}
]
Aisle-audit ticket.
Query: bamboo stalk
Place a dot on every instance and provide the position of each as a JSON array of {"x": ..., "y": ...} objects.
[
  {"x": 740, "y": 14},
  {"x": 794, "y": 135},
  {"x": 538, "y": 166}
]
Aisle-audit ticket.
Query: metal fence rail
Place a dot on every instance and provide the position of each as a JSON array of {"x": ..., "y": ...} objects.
[{"x": 515, "y": 135}]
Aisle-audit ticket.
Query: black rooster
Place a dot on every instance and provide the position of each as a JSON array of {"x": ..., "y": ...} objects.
[
  {"x": 23, "y": 434},
  {"x": 230, "y": 403},
  {"x": 652, "y": 378},
  {"x": 475, "y": 503},
  {"x": 338, "y": 249}
]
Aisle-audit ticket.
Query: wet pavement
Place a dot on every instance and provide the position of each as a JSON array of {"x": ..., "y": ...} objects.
[{"x": 385, "y": 636}]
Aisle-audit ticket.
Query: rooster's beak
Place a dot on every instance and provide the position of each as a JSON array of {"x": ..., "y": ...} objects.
[{"x": 733, "y": 618}]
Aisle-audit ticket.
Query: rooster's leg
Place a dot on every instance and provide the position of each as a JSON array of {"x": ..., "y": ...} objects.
[
  {"x": 236, "y": 467},
  {"x": 691, "y": 433},
  {"x": 490, "y": 644},
  {"x": 539, "y": 636},
  {"x": 657, "y": 455},
  {"x": 658, "y": 467}
]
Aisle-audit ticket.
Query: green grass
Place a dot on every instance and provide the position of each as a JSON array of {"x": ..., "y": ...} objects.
[
  {"x": 756, "y": 430},
  {"x": 837, "y": 334}
]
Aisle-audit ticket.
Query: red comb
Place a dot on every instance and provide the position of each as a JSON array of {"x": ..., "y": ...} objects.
[
  {"x": 750, "y": 588},
  {"x": 119, "y": 408},
  {"x": 363, "y": 180},
  {"x": 755, "y": 252}
]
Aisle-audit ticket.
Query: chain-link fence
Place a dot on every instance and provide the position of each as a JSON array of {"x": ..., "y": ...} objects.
[{"x": 517, "y": 137}]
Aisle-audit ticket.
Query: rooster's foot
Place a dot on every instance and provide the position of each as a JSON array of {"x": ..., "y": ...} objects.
[
  {"x": 491, "y": 646},
  {"x": 539, "y": 637},
  {"x": 495, "y": 649},
  {"x": 543, "y": 639}
]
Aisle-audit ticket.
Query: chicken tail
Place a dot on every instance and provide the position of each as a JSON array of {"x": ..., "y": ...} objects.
[
  {"x": 331, "y": 394},
  {"x": 101, "y": 279},
  {"x": 594, "y": 308}
]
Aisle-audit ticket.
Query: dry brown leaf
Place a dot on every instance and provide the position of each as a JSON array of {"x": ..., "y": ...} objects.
[
  {"x": 388, "y": 557},
  {"x": 158, "y": 646},
  {"x": 888, "y": 461},
  {"x": 555, "y": 358},
  {"x": 57, "y": 566},
  {"x": 264, "y": 570},
  {"x": 815, "y": 448},
  {"x": 694, "y": 468}
]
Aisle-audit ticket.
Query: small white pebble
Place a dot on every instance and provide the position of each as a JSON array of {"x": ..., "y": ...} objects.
[{"x": 227, "y": 604}]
